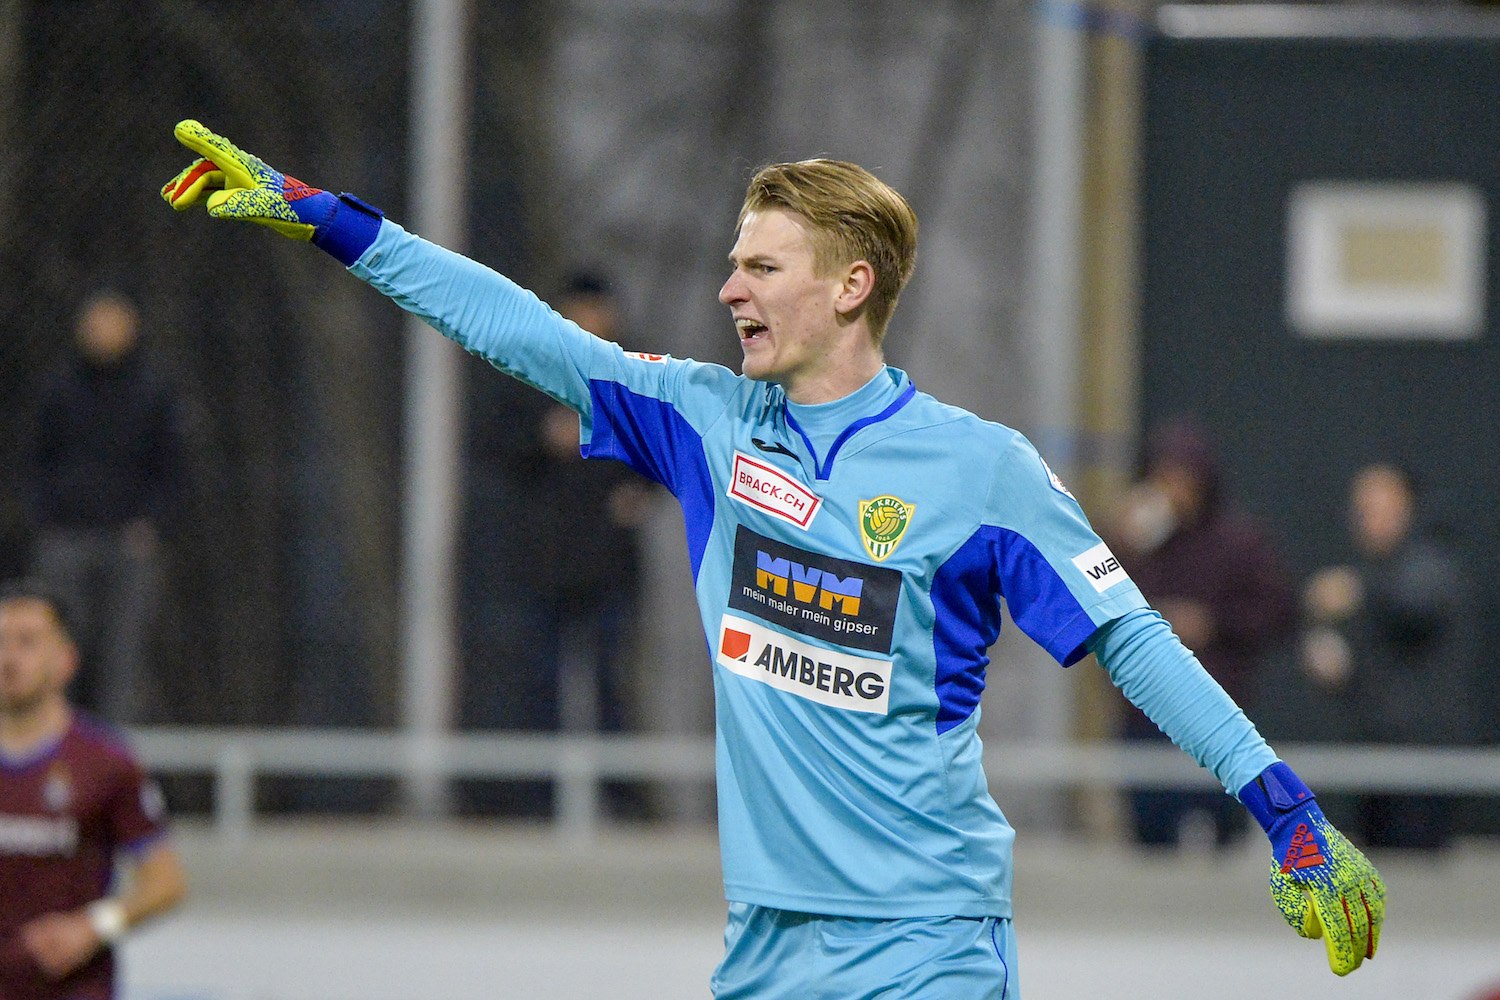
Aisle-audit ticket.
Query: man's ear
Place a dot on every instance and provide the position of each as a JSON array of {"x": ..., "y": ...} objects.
[
  {"x": 70, "y": 662},
  {"x": 858, "y": 282}
]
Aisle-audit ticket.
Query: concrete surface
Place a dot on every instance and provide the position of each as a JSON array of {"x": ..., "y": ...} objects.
[{"x": 319, "y": 911}]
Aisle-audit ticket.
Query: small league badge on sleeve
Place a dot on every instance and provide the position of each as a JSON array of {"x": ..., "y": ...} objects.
[{"x": 1056, "y": 481}]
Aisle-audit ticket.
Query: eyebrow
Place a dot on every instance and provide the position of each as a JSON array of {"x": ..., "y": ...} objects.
[{"x": 756, "y": 258}]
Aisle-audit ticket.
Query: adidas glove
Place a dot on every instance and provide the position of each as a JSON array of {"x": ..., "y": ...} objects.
[
  {"x": 235, "y": 184},
  {"x": 1322, "y": 883}
]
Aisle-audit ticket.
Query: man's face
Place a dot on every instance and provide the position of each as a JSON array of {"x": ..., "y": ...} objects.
[
  {"x": 783, "y": 308},
  {"x": 107, "y": 330},
  {"x": 1182, "y": 486},
  {"x": 36, "y": 658},
  {"x": 1380, "y": 508},
  {"x": 594, "y": 313}
]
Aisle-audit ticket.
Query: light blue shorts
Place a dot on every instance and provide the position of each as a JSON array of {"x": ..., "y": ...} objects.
[{"x": 780, "y": 955}]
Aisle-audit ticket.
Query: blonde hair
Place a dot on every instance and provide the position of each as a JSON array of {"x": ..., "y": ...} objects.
[{"x": 852, "y": 215}]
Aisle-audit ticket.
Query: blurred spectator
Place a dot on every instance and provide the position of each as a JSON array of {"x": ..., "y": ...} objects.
[
  {"x": 74, "y": 802},
  {"x": 1213, "y": 573},
  {"x": 560, "y": 621},
  {"x": 102, "y": 479},
  {"x": 1394, "y": 632}
]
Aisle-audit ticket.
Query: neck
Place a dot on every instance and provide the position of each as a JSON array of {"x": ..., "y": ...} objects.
[
  {"x": 24, "y": 730},
  {"x": 837, "y": 378}
]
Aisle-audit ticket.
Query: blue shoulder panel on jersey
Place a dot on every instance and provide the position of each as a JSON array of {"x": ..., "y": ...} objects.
[
  {"x": 660, "y": 444},
  {"x": 966, "y": 606},
  {"x": 1040, "y": 602}
]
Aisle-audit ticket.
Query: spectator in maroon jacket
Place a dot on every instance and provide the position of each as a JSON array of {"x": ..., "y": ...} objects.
[{"x": 1213, "y": 573}]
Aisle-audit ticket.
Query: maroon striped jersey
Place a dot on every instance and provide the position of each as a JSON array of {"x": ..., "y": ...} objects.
[{"x": 66, "y": 808}]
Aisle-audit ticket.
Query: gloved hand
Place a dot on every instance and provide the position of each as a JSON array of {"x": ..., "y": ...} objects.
[
  {"x": 1323, "y": 884},
  {"x": 235, "y": 184}
]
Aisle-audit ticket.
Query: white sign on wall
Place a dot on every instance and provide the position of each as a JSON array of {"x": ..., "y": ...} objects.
[{"x": 1386, "y": 259}]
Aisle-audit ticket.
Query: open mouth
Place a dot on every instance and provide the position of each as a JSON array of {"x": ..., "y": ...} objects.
[{"x": 749, "y": 329}]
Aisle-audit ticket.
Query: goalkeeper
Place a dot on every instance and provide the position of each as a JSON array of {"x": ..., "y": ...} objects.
[{"x": 851, "y": 540}]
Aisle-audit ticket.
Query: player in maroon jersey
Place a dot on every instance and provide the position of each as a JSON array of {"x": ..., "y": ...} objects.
[{"x": 73, "y": 801}]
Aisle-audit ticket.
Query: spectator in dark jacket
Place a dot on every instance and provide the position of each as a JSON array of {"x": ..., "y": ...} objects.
[
  {"x": 1394, "y": 631},
  {"x": 103, "y": 477},
  {"x": 551, "y": 619},
  {"x": 1213, "y": 573}
]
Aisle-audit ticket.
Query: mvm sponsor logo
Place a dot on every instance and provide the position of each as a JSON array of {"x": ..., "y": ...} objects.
[
  {"x": 808, "y": 584},
  {"x": 1101, "y": 567},
  {"x": 827, "y": 676},
  {"x": 767, "y": 489},
  {"x": 835, "y": 600}
]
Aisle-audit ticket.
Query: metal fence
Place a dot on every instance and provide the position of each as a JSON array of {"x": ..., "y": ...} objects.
[{"x": 578, "y": 764}]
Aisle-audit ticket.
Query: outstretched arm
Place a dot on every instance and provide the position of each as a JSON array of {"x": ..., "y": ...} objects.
[{"x": 647, "y": 410}]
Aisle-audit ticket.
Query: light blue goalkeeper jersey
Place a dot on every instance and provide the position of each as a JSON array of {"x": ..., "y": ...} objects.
[{"x": 850, "y": 562}]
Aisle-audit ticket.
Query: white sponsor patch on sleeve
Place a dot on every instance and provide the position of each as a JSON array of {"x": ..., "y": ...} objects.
[{"x": 1101, "y": 567}]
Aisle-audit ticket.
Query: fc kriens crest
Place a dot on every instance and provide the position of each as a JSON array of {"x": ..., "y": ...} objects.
[{"x": 882, "y": 522}]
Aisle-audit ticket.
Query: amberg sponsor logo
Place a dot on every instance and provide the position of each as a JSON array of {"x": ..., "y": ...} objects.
[
  {"x": 836, "y": 600},
  {"x": 766, "y": 488},
  {"x": 827, "y": 676},
  {"x": 1101, "y": 567},
  {"x": 882, "y": 522}
]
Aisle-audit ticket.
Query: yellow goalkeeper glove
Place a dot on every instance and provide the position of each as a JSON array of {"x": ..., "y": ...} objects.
[
  {"x": 1324, "y": 886},
  {"x": 234, "y": 184}
]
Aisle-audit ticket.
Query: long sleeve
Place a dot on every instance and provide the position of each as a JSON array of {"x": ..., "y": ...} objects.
[
  {"x": 485, "y": 312},
  {"x": 1159, "y": 675}
]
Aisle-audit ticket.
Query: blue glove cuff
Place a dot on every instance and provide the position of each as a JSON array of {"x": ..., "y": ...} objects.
[
  {"x": 350, "y": 230},
  {"x": 1275, "y": 792}
]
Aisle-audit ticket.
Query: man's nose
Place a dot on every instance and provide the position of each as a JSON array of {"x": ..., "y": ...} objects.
[{"x": 733, "y": 290}]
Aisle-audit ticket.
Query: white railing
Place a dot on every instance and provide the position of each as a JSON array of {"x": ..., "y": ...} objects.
[{"x": 236, "y": 757}]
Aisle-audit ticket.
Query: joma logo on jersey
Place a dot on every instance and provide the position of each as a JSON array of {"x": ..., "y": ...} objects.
[
  {"x": 1101, "y": 567},
  {"x": 827, "y": 676},
  {"x": 836, "y": 600},
  {"x": 808, "y": 584}
]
